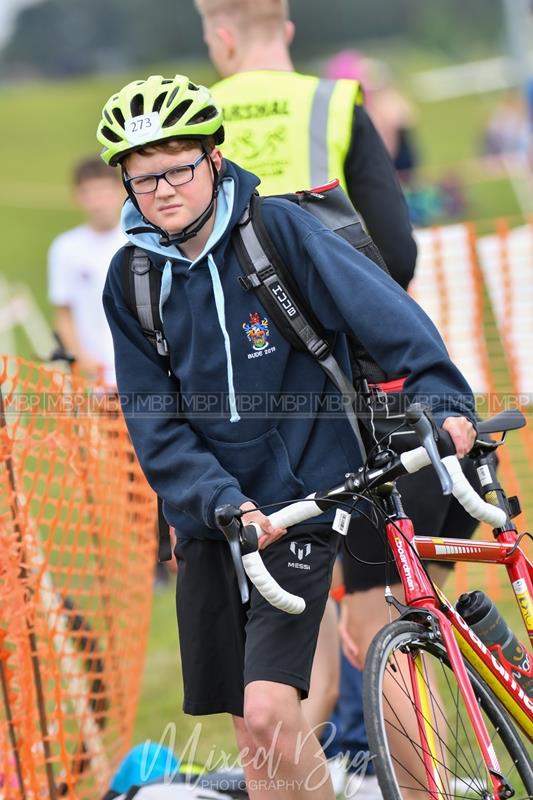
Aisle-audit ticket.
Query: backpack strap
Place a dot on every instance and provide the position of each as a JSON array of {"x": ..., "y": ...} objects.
[
  {"x": 266, "y": 273},
  {"x": 269, "y": 277},
  {"x": 142, "y": 288},
  {"x": 164, "y": 551},
  {"x": 142, "y": 285}
]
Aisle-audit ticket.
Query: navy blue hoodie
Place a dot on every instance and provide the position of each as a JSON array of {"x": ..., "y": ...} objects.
[{"x": 242, "y": 414}]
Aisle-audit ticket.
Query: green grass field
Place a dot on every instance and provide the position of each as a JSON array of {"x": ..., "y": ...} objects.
[
  {"x": 46, "y": 127},
  {"x": 36, "y": 160}
]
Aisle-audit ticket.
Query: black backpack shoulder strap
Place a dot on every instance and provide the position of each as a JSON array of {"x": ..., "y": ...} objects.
[
  {"x": 266, "y": 273},
  {"x": 142, "y": 287}
]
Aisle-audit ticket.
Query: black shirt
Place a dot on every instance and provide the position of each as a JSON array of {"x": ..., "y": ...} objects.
[{"x": 375, "y": 191}]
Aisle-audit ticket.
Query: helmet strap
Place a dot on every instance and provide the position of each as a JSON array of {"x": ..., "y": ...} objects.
[{"x": 193, "y": 229}]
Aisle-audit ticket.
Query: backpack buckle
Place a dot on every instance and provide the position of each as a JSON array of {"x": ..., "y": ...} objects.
[
  {"x": 319, "y": 348},
  {"x": 265, "y": 272},
  {"x": 161, "y": 343},
  {"x": 140, "y": 264},
  {"x": 248, "y": 282}
]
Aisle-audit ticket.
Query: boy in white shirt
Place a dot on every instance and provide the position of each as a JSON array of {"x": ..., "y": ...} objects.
[{"x": 78, "y": 260}]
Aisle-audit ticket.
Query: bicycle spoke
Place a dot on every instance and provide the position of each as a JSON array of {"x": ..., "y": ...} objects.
[
  {"x": 455, "y": 753},
  {"x": 423, "y": 739},
  {"x": 418, "y": 748},
  {"x": 472, "y": 765}
]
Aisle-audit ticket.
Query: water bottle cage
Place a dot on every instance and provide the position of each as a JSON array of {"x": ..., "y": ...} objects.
[{"x": 497, "y": 651}]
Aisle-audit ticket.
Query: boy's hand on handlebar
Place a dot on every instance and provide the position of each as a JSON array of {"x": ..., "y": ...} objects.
[
  {"x": 270, "y": 534},
  {"x": 462, "y": 432}
]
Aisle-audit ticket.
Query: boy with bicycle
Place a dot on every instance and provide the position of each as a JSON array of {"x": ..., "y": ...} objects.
[{"x": 214, "y": 423}]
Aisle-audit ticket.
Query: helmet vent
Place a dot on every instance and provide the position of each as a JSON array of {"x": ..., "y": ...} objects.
[
  {"x": 159, "y": 101},
  {"x": 167, "y": 80},
  {"x": 193, "y": 87},
  {"x": 119, "y": 116},
  {"x": 203, "y": 116},
  {"x": 111, "y": 135},
  {"x": 107, "y": 116},
  {"x": 177, "y": 113},
  {"x": 137, "y": 105},
  {"x": 172, "y": 95}
]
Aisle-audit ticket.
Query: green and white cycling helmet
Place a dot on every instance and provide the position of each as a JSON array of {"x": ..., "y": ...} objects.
[{"x": 150, "y": 111}]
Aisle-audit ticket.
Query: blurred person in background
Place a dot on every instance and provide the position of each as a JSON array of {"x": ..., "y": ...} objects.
[
  {"x": 78, "y": 260},
  {"x": 508, "y": 128},
  {"x": 392, "y": 114},
  {"x": 395, "y": 120},
  {"x": 296, "y": 131}
]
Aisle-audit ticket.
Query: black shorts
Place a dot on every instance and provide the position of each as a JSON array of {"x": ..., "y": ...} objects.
[
  {"x": 225, "y": 645},
  {"x": 432, "y": 515}
]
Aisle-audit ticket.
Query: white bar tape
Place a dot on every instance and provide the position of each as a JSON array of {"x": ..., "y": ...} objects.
[
  {"x": 415, "y": 459},
  {"x": 269, "y": 587},
  {"x": 295, "y": 513},
  {"x": 469, "y": 498}
]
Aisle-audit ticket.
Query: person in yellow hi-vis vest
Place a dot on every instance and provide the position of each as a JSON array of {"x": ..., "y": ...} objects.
[
  {"x": 295, "y": 132},
  {"x": 298, "y": 131}
]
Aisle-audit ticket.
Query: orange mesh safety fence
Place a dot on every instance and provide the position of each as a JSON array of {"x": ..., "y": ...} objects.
[
  {"x": 77, "y": 548},
  {"x": 77, "y": 520},
  {"x": 479, "y": 293}
]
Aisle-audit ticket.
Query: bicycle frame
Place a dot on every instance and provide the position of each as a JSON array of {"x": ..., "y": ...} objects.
[
  {"x": 423, "y": 601},
  {"x": 504, "y": 551},
  {"x": 457, "y": 636}
]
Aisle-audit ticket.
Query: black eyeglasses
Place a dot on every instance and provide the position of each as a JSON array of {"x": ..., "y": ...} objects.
[{"x": 175, "y": 176}]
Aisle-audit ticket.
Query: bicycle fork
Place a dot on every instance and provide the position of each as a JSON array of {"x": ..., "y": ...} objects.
[{"x": 501, "y": 788}]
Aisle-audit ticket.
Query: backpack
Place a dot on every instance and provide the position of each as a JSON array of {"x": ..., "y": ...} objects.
[{"x": 265, "y": 273}]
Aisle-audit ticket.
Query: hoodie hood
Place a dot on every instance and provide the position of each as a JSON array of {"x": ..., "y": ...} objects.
[{"x": 235, "y": 189}]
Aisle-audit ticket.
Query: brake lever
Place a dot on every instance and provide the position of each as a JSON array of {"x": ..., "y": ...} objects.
[
  {"x": 487, "y": 446},
  {"x": 418, "y": 418},
  {"x": 241, "y": 540}
]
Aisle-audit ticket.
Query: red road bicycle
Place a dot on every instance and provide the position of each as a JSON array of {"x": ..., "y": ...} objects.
[{"x": 446, "y": 717}]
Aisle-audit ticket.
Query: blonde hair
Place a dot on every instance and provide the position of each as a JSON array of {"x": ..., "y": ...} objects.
[{"x": 259, "y": 16}]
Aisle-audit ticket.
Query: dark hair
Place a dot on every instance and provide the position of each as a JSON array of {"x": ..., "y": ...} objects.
[{"x": 92, "y": 167}]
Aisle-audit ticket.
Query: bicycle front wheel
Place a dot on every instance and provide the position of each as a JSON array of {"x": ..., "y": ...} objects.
[{"x": 419, "y": 731}]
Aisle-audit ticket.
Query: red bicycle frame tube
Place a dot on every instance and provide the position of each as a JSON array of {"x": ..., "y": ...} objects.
[
  {"x": 503, "y": 551},
  {"x": 456, "y": 634}
]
